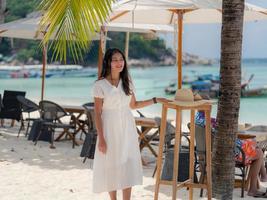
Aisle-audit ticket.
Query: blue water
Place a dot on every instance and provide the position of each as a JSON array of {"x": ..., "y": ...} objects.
[{"x": 149, "y": 82}]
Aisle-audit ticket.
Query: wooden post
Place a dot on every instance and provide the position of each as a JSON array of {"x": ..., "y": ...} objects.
[
  {"x": 176, "y": 153},
  {"x": 208, "y": 152},
  {"x": 160, "y": 154},
  {"x": 192, "y": 152},
  {"x": 43, "y": 70},
  {"x": 126, "y": 50},
  {"x": 180, "y": 47}
]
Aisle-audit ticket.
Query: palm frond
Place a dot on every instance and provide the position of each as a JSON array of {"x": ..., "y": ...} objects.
[{"x": 72, "y": 24}]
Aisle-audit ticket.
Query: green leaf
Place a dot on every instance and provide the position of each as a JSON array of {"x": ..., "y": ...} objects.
[{"x": 72, "y": 24}]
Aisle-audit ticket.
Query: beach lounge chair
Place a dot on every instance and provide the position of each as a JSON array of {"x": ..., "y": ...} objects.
[
  {"x": 27, "y": 106},
  {"x": 11, "y": 106},
  {"x": 52, "y": 114}
]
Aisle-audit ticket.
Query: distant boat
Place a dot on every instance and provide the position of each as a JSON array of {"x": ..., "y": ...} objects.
[
  {"x": 19, "y": 74},
  {"x": 211, "y": 88},
  {"x": 6, "y": 70},
  {"x": 258, "y": 92},
  {"x": 35, "y": 71}
]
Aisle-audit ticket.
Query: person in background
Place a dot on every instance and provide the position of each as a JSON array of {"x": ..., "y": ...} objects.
[{"x": 254, "y": 157}]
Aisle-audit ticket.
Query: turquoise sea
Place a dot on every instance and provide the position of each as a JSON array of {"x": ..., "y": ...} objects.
[{"x": 149, "y": 82}]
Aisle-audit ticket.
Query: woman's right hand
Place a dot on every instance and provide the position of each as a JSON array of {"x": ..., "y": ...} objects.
[{"x": 102, "y": 146}]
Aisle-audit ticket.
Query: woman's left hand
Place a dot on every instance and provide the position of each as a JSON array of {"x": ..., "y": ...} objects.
[{"x": 162, "y": 100}]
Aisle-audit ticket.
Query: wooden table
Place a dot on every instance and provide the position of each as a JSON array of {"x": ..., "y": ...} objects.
[
  {"x": 77, "y": 111},
  {"x": 189, "y": 183},
  {"x": 144, "y": 126},
  {"x": 259, "y": 136}
]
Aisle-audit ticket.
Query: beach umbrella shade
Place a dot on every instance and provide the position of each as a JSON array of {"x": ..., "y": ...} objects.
[
  {"x": 176, "y": 13},
  {"x": 28, "y": 28}
]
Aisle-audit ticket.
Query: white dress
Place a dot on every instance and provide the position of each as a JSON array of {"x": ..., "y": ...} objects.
[{"x": 121, "y": 166}]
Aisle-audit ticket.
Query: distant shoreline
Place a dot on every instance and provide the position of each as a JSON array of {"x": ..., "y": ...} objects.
[{"x": 146, "y": 62}]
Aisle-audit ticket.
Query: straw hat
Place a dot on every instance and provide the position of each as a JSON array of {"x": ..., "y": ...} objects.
[{"x": 185, "y": 97}]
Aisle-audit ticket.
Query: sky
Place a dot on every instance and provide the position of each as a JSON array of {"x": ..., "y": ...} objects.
[{"x": 204, "y": 39}]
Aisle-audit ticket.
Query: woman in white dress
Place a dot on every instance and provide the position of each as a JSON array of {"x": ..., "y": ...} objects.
[{"x": 117, "y": 161}]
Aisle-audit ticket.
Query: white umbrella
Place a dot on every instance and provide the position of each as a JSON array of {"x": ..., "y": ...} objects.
[
  {"x": 176, "y": 12},
  {"x": 28, "y": 28}
]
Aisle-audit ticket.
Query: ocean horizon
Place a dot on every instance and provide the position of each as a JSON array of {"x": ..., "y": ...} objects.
[{"x": 149, "y": 82}]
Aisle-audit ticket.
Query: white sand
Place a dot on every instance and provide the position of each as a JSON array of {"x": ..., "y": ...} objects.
[{"x": 31, "y": 172}]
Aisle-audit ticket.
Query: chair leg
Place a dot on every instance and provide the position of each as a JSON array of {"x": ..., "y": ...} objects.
[
  {"x": 21, "y": 127},
  {"x": 201, "y": 180},
  {"x": 39, "y": 134},
  {"x": 52, "y": 138},
  {"x": 84, "y": 159},
  {"x": 243, "y": 182},
  {"x": 73, "y": 138},
  {"x": 155, "y": 170},
  {"x": 202, "y": 177},
  {"x": 12, "y": 123},
  {"x": 27, "y": 130}
]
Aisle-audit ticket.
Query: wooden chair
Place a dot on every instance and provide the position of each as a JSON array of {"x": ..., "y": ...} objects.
[
  {"x": 10, "y": 106},
  {"x": 89, "y": 145},
  {"x": 0, "y": 102},
  {"x": 147, "y": 124},
  {"x": 51, "y": 114},
  {"x": 27, "y": 106},
  {"x": 201, "y": 160}
]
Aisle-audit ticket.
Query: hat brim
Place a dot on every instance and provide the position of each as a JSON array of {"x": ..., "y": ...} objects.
[{"x": 192, "y": 103}]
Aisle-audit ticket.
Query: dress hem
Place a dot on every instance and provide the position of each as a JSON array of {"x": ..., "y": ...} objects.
[{"x": 118, "y": 188}]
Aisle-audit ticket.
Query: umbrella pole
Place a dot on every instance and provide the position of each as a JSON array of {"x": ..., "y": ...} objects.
[
  {"x": 100, "y": 56},
  {"x": 180, "y": 47},
  {"x": 43, "y": 70},
  {"x": 100, "y": 50},
  {"x": 126, "y": 50}
]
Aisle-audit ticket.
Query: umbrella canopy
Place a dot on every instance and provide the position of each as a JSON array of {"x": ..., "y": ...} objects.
[
  {"x": 28, "y": 28},
  {"x": 139, "y": 28},
  {"x": 163, "y": 11},
  {"x": 177, "y": 12}
]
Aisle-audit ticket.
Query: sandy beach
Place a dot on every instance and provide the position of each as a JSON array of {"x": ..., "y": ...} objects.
[{"x": 37, "y": 172}]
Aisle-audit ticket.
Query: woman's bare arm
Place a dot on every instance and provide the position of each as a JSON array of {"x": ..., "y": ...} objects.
[
  {"x": 98, "y": 122},
  {"x": 141, "y": 104}
]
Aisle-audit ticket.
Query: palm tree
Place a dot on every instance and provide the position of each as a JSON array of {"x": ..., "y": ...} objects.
[
  {"x": 229, "y": 98},
  {"x": 74, "y": 23},
  {"x": 2, "y": 11}
]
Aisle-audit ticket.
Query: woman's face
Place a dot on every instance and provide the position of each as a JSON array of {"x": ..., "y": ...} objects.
[{"x": 117, "y": 63}]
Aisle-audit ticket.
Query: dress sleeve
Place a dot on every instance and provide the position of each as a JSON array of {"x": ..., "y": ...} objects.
[{"x": 97, "y": 91}]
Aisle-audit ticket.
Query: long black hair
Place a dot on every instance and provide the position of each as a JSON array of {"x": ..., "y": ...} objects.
[{"x": 124, "y": 74}]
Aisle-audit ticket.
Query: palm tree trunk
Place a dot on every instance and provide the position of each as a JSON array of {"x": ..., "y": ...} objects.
[
  {"x": 2, "y": 13},
  {"x": 223, "y": 164},
  {"x": 2, "y": 10}
]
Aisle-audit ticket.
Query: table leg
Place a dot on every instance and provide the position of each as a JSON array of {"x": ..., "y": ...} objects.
[{"x": 160, "y": 154}]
